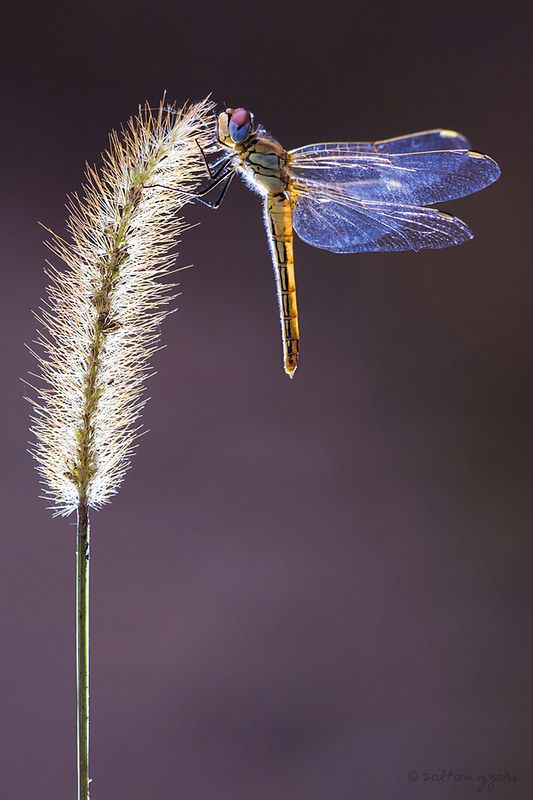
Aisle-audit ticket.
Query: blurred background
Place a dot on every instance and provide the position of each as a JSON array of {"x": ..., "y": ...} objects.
[{"x": 304, "y": 590}]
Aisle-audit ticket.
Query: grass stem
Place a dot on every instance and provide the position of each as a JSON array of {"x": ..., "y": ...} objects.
[{"x": 82, "y": 647}]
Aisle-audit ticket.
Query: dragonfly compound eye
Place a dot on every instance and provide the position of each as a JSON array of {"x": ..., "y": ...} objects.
[{"x": 240, "y": 124}]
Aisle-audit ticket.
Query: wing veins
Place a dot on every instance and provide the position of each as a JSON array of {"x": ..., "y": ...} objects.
[{"x": 411, "y": 227}]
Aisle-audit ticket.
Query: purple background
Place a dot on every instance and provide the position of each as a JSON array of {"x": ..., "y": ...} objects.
[{"x": 303, "y": 590}]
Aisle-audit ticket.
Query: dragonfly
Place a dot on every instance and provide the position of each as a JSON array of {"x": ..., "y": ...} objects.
[{"x": 347, "y": 197}]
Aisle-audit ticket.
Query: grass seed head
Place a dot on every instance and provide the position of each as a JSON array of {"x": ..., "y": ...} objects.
[{"x": 101, "y": 319}]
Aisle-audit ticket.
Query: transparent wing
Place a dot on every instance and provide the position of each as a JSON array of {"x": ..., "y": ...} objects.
[
  {"x": 437, "y": 139},
  {"x": 396, "y": 170},
  {"x": 333, "y": 220}
]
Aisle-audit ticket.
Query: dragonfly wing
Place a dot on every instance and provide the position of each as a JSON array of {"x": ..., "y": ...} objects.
[
  {"x": 333, "y": 220},
  {"x": 414, "y": 177},
  {"x": 437, "y": 139}
]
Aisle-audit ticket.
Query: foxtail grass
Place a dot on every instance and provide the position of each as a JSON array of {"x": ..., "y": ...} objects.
[{"x": 100, "y": 325}]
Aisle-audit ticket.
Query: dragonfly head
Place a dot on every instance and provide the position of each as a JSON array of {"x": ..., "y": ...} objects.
[{"x": 234, "y": 126}]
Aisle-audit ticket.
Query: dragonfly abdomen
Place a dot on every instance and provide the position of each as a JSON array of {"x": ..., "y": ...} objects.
[{"x": 278, "y": 221}]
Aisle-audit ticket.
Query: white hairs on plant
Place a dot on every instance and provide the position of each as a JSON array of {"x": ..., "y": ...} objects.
[{"x": 101, "y": 319}]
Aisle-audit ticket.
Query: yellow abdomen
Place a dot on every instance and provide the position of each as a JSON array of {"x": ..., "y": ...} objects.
[{"x": 278, "y": 221}]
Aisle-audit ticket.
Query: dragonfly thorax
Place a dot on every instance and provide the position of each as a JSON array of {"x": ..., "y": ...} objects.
[{"x": 264, "y": 166}]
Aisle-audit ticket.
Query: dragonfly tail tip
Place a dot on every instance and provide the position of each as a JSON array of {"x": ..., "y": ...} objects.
[{"x": 290, "y": 369}]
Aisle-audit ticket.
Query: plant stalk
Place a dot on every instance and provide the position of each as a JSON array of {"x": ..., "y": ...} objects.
[{"x": 82, "y": 646}]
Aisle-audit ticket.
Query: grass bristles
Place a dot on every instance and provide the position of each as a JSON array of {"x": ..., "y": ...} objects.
[
  {"x": 101, "y": 322},
  {"x": 99, "y": 326}
]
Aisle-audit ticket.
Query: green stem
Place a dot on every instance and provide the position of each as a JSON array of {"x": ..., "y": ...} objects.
[{"x": 82, "y": 647}]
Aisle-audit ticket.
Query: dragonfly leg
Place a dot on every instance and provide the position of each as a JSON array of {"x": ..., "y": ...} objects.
[
  {"x": 223, "y": 192},
  {"x": 219, "y": 164},
  {"x": 199, "y": 197},
  {"x": 228, "y": 176}
]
